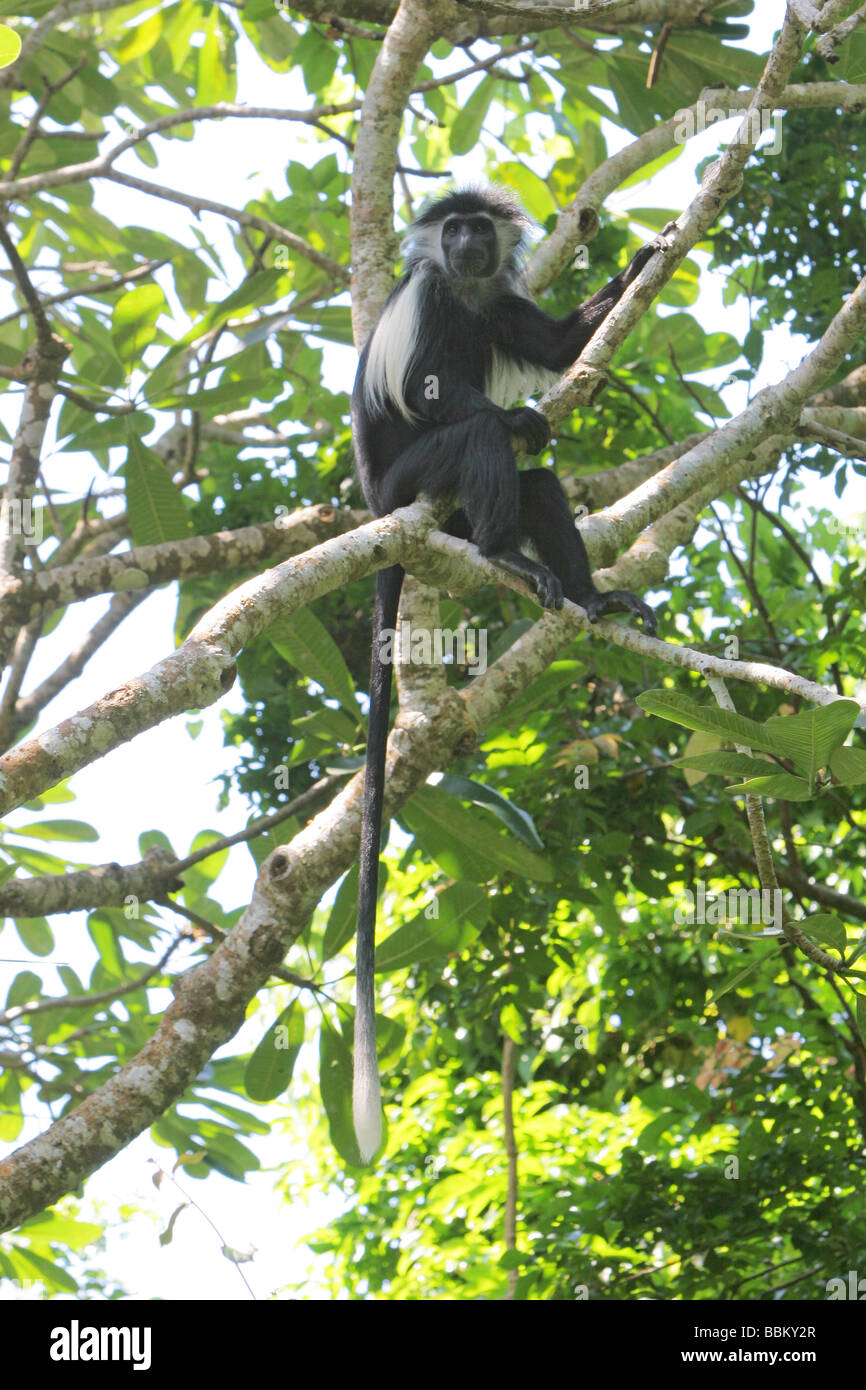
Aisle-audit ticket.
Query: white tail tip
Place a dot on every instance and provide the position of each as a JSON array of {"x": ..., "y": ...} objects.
[{"x": 367, "y": 1112}]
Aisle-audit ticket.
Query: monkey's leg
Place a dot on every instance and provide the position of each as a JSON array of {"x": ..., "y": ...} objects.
[
  {"x": 474, "y": 457},
  {"x": 546, "y": 520}
]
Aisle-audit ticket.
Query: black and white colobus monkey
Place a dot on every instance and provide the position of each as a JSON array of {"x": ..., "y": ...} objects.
[{"x": 457, "y": 343}]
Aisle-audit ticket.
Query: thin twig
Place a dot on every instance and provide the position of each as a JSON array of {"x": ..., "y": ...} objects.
[{"x": 87, "y": 1001}]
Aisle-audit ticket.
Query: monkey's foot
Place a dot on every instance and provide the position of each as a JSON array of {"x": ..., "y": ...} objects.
[
  {"x": 548, "y": 589},
  {"x": 619, "y": 601}
]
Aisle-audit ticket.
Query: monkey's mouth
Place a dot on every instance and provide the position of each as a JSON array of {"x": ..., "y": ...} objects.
[{"x": 468, "y": 265}]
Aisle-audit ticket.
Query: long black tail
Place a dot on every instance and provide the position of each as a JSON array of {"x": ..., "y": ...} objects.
[{"x": 366, "y": 1103}]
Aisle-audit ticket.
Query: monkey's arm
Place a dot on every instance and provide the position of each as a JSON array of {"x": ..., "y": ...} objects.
[
  {"x": 555, "y": 343},
  {"x": 453, "y": 401}
]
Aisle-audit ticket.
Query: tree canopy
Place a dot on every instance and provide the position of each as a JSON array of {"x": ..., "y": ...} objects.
[{"x": 621, "y": 985}]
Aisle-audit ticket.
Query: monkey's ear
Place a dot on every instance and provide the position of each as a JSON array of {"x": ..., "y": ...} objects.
[{"x": 423, "y": 243}]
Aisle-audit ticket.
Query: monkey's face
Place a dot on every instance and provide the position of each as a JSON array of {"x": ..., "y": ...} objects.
[{"x": 470, "y": 248}]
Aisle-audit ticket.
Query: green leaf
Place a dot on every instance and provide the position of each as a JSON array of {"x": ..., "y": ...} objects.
[
  {"x": 169, "y": 374},
  {"x": 156, "y": 508},
  {"x": 335, "y": 1080},
  {"x": 531, "y": 188},
  {"x": 848, "y": 765},
  {"x": 542, "y": 691},
  {"x": 784, "y": 786},
  {"x": 207, "y": 870},
  {"x": 753, "y": 347},
  {"x": 852, "y": 57},
  {"x": 52, "y": 1227},
  {"x": 54, "y": 794},
  {"x": 36, "y": 935},
  {"x": 53, "y": 1274},
  {"x": 636, "y": 106},
  {"x": 518, "y": 821},
  {"x": 25, "y": 987},
  {"x": 154, "y": 839},
  {"x": 227, "y": 393},
  {"x": 331, "y": 322},
  {"x": 103, "y": 936},
  {"x": 464, "y": 843},
  {"x": 269, "y": 1069},
  {"x": 317, "y": 58},
  {"x": 390, "y": 1040},
  {"x": 466, "y": 128},
  {"x": 213, "y": 82},
  {"x": 734, "y": 980},
  {"x": 461, "y": 912},
  {"x": 825, "y": 927},
  {"x": 330, "y": 726},
  {"x": 706, "y": 64},
  {"x": 165, "y": 1237},
  {"x": 511, "y": 1022},
  {"x": 807, "y": 738},
  {"x": 341, "y": 921},
  {"x": 303, "y": 641},
  {"x": 10, "y": 45},
  {"x": 134, "y": 320},
  {"x": 142, "y": 38},
  {"x": 728, "y": 764},
  {"x": 58, "y": 830}
]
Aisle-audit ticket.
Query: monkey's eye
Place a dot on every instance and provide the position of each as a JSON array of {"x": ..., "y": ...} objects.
[{"x": 451, "y": 229}]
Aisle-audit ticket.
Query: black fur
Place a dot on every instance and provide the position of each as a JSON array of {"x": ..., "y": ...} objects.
[{"x": 466, "y": 317}]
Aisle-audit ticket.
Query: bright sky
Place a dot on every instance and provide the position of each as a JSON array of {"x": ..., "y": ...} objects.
[{"x": 166, "y": 780}]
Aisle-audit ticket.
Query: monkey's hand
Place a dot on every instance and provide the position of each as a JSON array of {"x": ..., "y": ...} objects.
[
  {"x": 619, "y": 601},
  {"x": 531, "y": 425},
  {"x": 647, "y": 252}
]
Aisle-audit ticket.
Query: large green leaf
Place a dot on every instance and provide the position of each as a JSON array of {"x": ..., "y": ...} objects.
[
  {"x": 848, "y": 765},
  {"x": 810, "y": 737},
  {"x": 518, "y": 821},
  {"x": 134, "y": 320},
  {"x": 728, "y": 764},
  {"x": 155, "y": 506},
  {"x": 782, "y": 785},
  {"x": 58, "y": 830},
  {"x": 335, "y": 1081},
  {"x": 807, "y": 739},
  {"x": 341, "y": 922},
  {"x": 308, "y": 645},
  {"x": 269, "y": 1069},
  {"x": 465, "y": 844},
  {"x": 447, "y": 926},
  {"x": 10, "y": 45},
  {"x": 467, "y": 125},
  {"x": 36, "y": 935},
  {"x": 53, "y": 1227}
]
